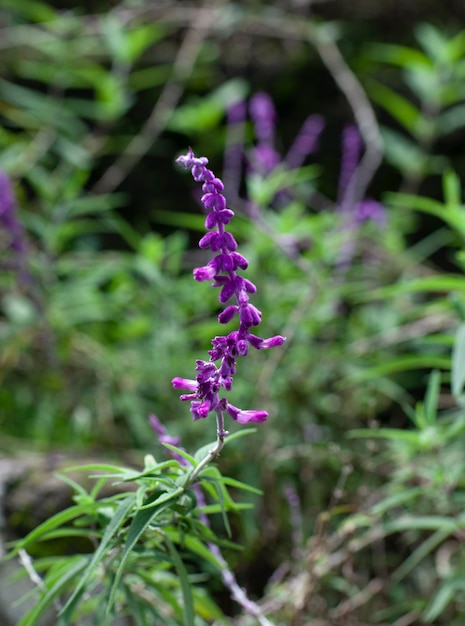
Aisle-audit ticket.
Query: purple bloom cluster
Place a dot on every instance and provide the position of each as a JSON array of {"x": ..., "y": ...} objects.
[
  {"x": 263, "y": 158},
  {"x": 306, "y": 141},
  {"x": 263, "y": 114},
  {"x": 351, "y": 151},
  {"x": 370, "y": 209},
  {"x": 367, "y": 209},
  {"x": 222, "y": 270},
  {"x": 164, "y": 437}
]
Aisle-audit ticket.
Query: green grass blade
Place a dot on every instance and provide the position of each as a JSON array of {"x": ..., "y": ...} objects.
[
  {"x": 115, "y": 523},
  {"x": 63, "y": 576},
  {"x": 51, "y": 524},
  {"x": 141, "y": 520},
  {"x": 189, "y": 616}
]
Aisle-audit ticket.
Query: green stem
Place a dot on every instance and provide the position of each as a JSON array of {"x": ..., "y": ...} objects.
[{"x": 214, "y": 452}]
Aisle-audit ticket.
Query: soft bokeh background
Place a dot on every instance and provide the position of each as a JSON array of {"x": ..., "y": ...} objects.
[{"x": 99, "y": 311}]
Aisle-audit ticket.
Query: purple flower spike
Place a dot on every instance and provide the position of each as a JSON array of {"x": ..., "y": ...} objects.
[
  {"x": 370, "y": 210},
  {"x": 263, "y": 114},
  {"x": 222, "y": 270},
  {"x": 164, "y": 437},
  {"x": 351, "y": 149},
  {"x": 264, "y": 159},
  {"x": 306, "y": 141},
  {"x": 8, "y": 219}
]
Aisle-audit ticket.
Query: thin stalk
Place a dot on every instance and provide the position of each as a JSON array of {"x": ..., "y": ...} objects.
[{"x": 214, "y": 452}]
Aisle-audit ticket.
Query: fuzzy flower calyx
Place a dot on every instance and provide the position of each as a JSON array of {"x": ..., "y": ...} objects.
[{"x": 205, "y": 391}]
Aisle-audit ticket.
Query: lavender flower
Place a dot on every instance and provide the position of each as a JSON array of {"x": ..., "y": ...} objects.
[
  {"x": 8, "y": 219},
  {"x": 306, "y": 141},
  {"x": 351, "y": 149},
  {"x": 369, "y": 209},
  {"x": 164, "y": 437},
  {"x": 233, "y": 154},
  {"x": 263, "y": 114},
  {"x": 222, "y": 270},
  {"x": 263, "y": 158}
]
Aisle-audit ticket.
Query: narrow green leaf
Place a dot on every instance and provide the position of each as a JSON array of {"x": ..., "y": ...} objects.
[
  {"x": 243, "y": 432},
  {"x": 433, "y": 41},
  {"x": 185, "y": 455},
  {"x": 189, "y": 617},
  {"x": 395, "y": 434},
  {"x": 231, "y": 482},
  {"x": 193, "y": 545},
  {"x": 209, "y": 481},
  {"x": 432, "y": 397},
  {"x": 216, "y": 508},
  {"x": 214, "y": 486},
  {"x": 71, "y": 532},
  {"x": 144, "y": 516},
  {"x": 79, "y": 489},
  {"x": 442, "y": 283},
  {"x": 441, "y": 599},
  {"x": 401, "y": 109},
  {"x": 456, "y": 428},
  {"x": 53, "y": 522},
  {"x": 116, "y": 38},
  {"x": 419, "y": 554},
  {"x": 458, "y": 362},
  {"x": 402, "y": 364},
  {"x": 451, "y": 120},
  {"x": 424, "y": 522},
  {"x": 404, "y": 153},
  {"x": 421, "y": 203},
  {"x": 33, "y": 10},
  {"x": 183, "y": 220},
  {"x": 451, "y": 213},
  {"x": 165, "y": 497},
  {"x": 401, "y": 56},
  {"x": 116, "y": 521},
  {"x": 451, "y": 188},
  {"x": 140, "y": 38},
  {"x": 396, "y": 500},
  {"x": 63, "y": 576},
  {"x": 220, "y": 489}
]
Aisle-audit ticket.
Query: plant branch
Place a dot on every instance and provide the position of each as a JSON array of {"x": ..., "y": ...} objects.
[
  {"x": 363, "y": 112},
  {"x": 214, "y": 452},
  {"x": 166, "y": 103}
]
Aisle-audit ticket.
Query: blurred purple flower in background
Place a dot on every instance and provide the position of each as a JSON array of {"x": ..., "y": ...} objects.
[
  {"x": 233, "y": 154},
  {"x": 164, "y": 437},
  {"x": 222, "y": 270},
  {"x": 12, "y": 236},
  {"x": 263, "y": 157},
  {"x": 370, "y": 209},
  {"x": 367, "y": 209},
  {"x": 8, "y": 219},
  {"x": 351, "y": 146},
  {"x": 306, "y": 141},
  {"x": 263, "y": 114}
]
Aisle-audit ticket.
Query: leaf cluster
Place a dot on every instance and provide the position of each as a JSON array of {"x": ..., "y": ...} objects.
[{"x": 148, "y": 542}]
